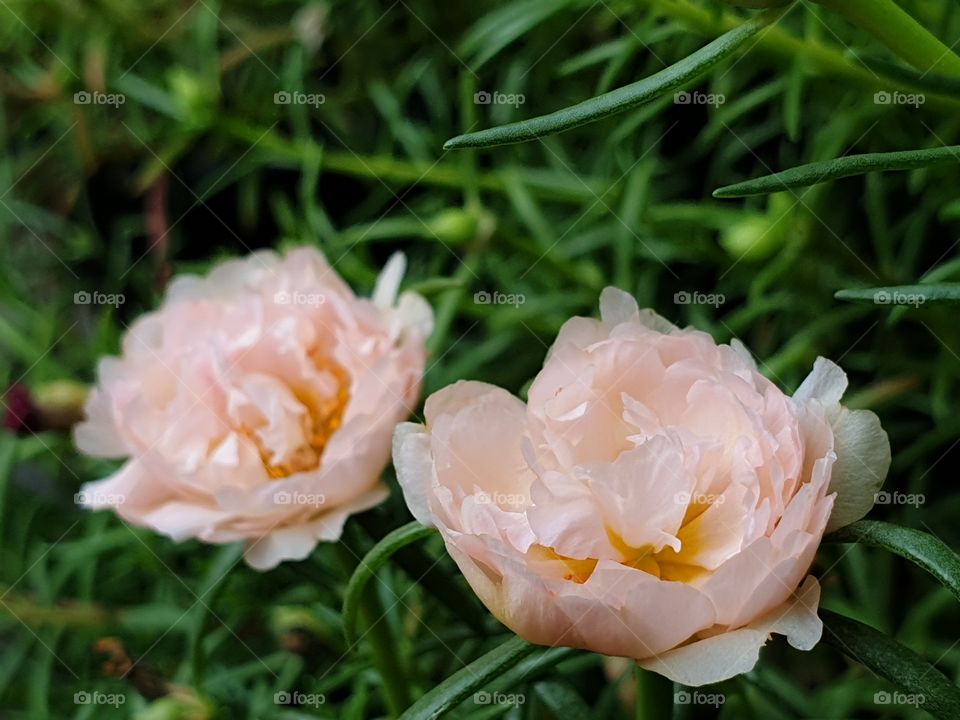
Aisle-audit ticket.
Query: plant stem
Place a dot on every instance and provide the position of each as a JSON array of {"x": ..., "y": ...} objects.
[
  {"x": 390, "y": 170},
  {"x": 654, "y": 695},
  {"x": 383, "y": 647},
  {"x": 899, "y": 31}
]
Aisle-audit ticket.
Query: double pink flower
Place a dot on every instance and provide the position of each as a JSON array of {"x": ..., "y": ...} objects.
[
  {"x": 257, "y": 404},
  {"x": 656, "y": 498}
]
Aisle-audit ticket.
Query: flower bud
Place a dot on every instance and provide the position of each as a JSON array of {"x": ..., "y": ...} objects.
[{"x": 454, "y": 226}]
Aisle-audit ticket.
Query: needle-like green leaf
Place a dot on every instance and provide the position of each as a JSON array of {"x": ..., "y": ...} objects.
[
  {"x": 470, "y": 679},
  {"x": 920, "y": 681},
  {"x": 616, "y": 101},
  {"x": 821, "y": 172},
  {"x": 562, "y": 700},
  {"x": 920, "y": 548},
  {"x": 915, "y": 295}
]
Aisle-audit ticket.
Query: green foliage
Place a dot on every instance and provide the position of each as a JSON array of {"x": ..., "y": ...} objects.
[
  {"x": 922, "y": 683},
  {"x": 367, "y": 569},
  {"x": 678, "y": 75},
  {"x": 922, "y": 548}
]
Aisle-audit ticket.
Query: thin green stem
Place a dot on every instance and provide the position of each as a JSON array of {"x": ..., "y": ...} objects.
[
  {"x": 899, "y": 31},
  {"x": 393, "y": 171},
  {"x": 383, "y": 646},
  {"x": 449, "y": 302},
  {"x": 468, "y": 108}
]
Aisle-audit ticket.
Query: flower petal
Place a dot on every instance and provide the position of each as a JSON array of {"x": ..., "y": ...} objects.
[
  {"x": 723, "y": 656},
  {"x": 863, "y": 459},
  {"x": 826, "y": 382},
  {"x": 414, "y": 464},
  {"x": 298, "y": 541},
  {"x": 388, "y": 282},
  {"x": 617, "y": 307}
]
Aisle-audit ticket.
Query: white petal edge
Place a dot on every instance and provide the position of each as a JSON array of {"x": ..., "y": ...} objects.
[
  {"x": 388, "y": 282},
  {"x": 414, "y": 465},
  {"x": 860, "y": 443},
  {"x": 724, "y": 656},
  {"x": 292, "y": 543},
  {"x": 740, "y": 349},
  {"x": 826, "y": 382},
  {"x": 414, "y": 314},
  {"x": 863, "y": 459},
  {"x": 617, "y": 306},
  {"x": 298, "y": 541}
]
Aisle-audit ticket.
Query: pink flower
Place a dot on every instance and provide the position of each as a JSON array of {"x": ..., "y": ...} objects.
[
  {"x": 657, "y": 498},
  {"x": 257, "y": 404}
]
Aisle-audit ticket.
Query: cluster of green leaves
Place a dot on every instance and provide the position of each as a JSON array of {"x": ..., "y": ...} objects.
[{"x": 647, "y": 199}]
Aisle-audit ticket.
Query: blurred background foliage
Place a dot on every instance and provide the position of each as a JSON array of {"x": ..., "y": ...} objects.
[{"x": 201, "y": 161}]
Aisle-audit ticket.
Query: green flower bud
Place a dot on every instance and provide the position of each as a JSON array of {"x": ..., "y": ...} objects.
[
  {"x": 753, "y": 238},
  {"x": 756, "y": 237},
  {"x": 454, "y": 226}
]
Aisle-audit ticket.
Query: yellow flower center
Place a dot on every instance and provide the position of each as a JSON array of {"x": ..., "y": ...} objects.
[
  {"x": 322, "y": 419},
  {"x": 665, "y": 564}
]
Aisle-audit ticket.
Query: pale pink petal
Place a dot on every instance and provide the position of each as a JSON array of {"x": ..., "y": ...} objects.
[
  {"x": 298, "y": 541},
  {"x": 414, "y": 465},
  {"x": 728, "y": 654}
]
